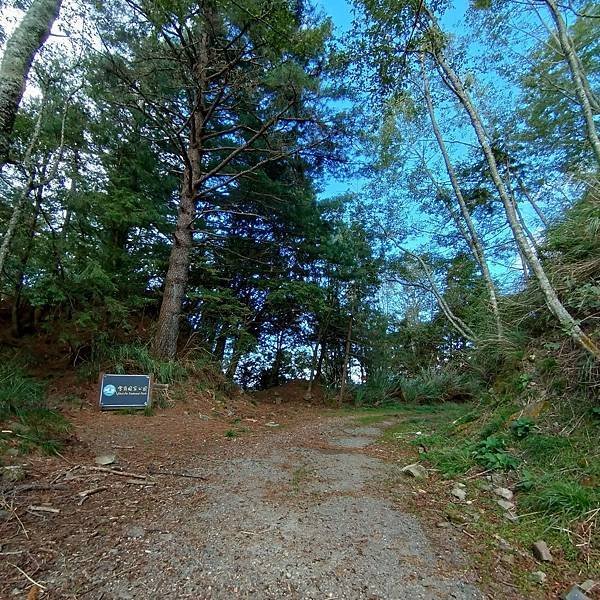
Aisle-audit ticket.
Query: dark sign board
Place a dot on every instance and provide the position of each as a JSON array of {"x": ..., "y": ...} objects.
[{"x": 124, "y": 391}]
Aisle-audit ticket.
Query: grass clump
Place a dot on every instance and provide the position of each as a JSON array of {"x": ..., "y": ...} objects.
[
  {"x": 23, "y": 407},
  {"x": 440, "y": 386},
  {"x": 18, "y": 391},
  {"x": 130, "y": 358}
]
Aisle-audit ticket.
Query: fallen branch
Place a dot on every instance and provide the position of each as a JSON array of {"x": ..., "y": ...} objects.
[
  {"x": 43, "y": 587},
  {"x": 27, "y": 487},
  {"x": 48, "y": 509},
  {"x": 175, "y": 474},
  {"x": 115, "y": 472},
  {"x": 138, "y": 482},
  {"x": 83, "y": 496}
]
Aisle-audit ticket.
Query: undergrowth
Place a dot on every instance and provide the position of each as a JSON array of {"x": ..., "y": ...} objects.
[
  {"x": 554, "y": 469},
  {"x": 28, "y": 421}
]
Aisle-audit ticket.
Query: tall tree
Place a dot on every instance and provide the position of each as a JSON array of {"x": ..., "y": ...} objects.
[
  {"x": 232, "y": 95},
  {"x": 21, "y": 49}
]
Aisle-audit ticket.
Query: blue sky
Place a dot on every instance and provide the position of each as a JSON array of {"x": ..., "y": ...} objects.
[{"x": 341, "y": 13}]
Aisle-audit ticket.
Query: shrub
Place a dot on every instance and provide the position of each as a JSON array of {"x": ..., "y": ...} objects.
[
  {"x": 23, "y": 400},
  {"x": 440, "y": 386},
  {"x": 18, "y": 391},
  {"x": 131, "y": 357},
  {"x": 491, "y": 454}
]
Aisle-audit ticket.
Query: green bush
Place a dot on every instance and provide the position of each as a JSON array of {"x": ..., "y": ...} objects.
[
  {"x": 129, "y": 358},
  {"x": 440, "y": 386},
  {"x": 18, "y": 391},
  {"x": 23, "y": 402},
  {"x": 491, "y": 454}
]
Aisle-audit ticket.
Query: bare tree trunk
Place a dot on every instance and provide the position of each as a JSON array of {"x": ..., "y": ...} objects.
[
  {"x": 346, "y": 354},
  {"x": 167, "y": 330},
  {"x": 455, "y": 321},
  {"x": 219, "y": 351},
  {"x": 24, "y": 194},
  {"x": 21, "y": 48},
  {"x": 319, "y": 369},
  {"x": 313, "y": 368},
  {"x": 534, "y": 204},
  {"x": 235, "y": 358},
  {"x": 15, "y": 312},
  {"x": 577, "y": 75},
  {"x": 473, "y": 238},
  {"x": 552, "y": 300}
]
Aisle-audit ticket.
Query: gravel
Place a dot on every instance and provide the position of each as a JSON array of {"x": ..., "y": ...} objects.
[{"x": 288, "y": 519}]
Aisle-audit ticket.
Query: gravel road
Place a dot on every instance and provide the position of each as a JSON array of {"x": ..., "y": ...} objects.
[{"x": 298, "y": 514}]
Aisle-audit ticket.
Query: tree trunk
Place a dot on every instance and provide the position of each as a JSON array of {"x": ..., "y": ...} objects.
[
  {"x": 552, "y": 299},
  {"x": 219, "y": 351},
  {"x": 473, "y": 239},
  {"x": 319, "y": 369},
  {"x": 313, "y": 367},
  {"x": 235, "y": 358},
  {"x": 534, "y": 204},
  {"x": 577, "y": 75},
  {"x": 21, "y": 48},
  {"x": 276, "y": 368},
  {"x": 167, "y": 330},
  {"x": 164, "y": 345},
  {"x": 346, "y": 354},
  {"x": 463, "y": 329},
  {"x": 15, "y": 312}
]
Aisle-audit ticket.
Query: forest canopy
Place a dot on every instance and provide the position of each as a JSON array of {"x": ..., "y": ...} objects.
[{"x": 164, "y": 176}]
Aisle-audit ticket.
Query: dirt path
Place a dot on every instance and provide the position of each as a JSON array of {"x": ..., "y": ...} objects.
[{"x": 300, "y": 512}]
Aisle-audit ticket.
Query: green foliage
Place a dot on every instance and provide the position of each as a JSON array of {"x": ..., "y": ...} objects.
[
  {"x": 491, "y": 453},
  {"x": 42, "y": 429},
  {"x": 522, "y": 427},
  {"x": 567, "y": 499},
  {"x": 23, "y": 407},
  {"x": 19, "y": 393},
  {"x": 134, "y": 358},
  {"x": 440, "y": 386}
]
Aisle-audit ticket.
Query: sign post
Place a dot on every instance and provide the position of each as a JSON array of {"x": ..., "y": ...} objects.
[{"x": 124, "y": 391}]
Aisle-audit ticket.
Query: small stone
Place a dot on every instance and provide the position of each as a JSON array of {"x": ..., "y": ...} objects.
[
  {"x": 460, "y": 485},
  {"x": 503, "y": 493},
  {"x": 506, "y": 505},
  {"x": 502, "y": 543},
  {"x": 497, "y": 479},
  {"x": 511, "y": 516},
  {"x": 538, "y": 577},
  {"x": 541, "y": 551},
  {"x": 574, "y": 593},
  {"x": 12, "y": 452},
  {"x": 588, "y": 585},
  {"x": 105, "y": 459},
  {"x": 459, "y": 493},
  {"x": 135, "y": 532},
  {"x": 4, "y": 514},
  {"x": 415, "y": 470},
  {"x": 443, "y": 524},
  {"x": 13, "y": 473}
]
